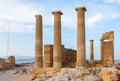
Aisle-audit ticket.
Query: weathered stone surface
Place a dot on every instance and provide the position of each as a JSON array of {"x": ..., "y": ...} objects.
[
  {"x": 94, "y": 71},
  {"x": 101, "y": 50},
  {"x": 81, "y": 51},
  {"x": 68, "y": 56},
  {"x": 63, "y": 77},
  {"x": 74, "y": 76},
  {"x": 116, "y": 66},
  {"x": 7, "y": 63},
  {"x": 57, "y": 59},
  {"x": 33, "y": 77},
  {"x": 107, "y": 48},
  {"x": 38, "y": 43},
  {"x": 44, "y": 78},
  {"x": 11, "y": 60},
  {"x": 79, "y": 74},
  {"x": 109, "y": 74},
  {"x": 91, "y": 78},
  {"x": 91, "y": 50},
  {"x": 48, "y": 55}
]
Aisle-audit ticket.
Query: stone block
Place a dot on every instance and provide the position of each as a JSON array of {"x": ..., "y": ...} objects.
[{"x": 109, "y": 74}]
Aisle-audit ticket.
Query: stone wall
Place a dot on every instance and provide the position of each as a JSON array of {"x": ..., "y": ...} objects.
[
  {"x": 107, "y": 48},
  {"x": 68, "y": 56},
  {"x": 48, "y": 55}
]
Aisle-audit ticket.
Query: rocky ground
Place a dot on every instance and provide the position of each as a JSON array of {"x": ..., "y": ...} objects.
[
  {"x": 16, "y": 74},
  {"x": 70, "y": 76},
  {"x": 104, "y": 73}
]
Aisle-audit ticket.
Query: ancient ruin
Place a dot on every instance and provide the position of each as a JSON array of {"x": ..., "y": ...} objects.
[
  {"x": 68, "y": 56},
  {"x": 38, "y": 45},
  {"x": 81, "y": 55},
  {"x": 48, "y": 55},
  {"x": 57, "y": 58},
  {"x": 7, "y": 63},
  {"x": 107, "y": 48},
  {"x": 91, "y": 50},
  {"x": 57, "y": 54}
]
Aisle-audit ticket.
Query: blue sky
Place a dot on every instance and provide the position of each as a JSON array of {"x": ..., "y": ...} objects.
[{"x": 101, "y": 16}]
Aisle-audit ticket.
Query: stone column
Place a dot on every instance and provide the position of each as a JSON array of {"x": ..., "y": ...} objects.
[
  {"x": 101, "y": 50},
  {"x": 57, "y": 54},
  {"x": 38, "y": 43},
  {"x": 81, "y": 51},
  {"x": 91, "y": 50}
]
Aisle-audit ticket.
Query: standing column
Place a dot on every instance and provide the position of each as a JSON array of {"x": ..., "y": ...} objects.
[
  {"x": 57, "y": 54},
  {"x": 101, "y": 50},
  {"x": 81, "y": 51},
  {"x": 38, "y": 44},
  {"x": 91, "y": 50}
]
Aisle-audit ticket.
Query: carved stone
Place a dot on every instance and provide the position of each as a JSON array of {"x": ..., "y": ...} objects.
[
  {"x": 38, "y": 43},
  {"x": 81, "y": 53},
  {"x": 91, "y": 50},
  {"x": 48, "y": 55},
  {"x": 57, "y": 60},
  {"x": 107, "y": 48}
]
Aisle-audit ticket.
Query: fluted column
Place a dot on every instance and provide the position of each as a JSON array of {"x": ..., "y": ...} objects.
[
  {"x": 101, "y": 50},
  {"x": 38, "y": 43},
  {"x": 81, "y": 51},
  {"x": 57, "y": 54},
  {"x": 91, "y": 50}
]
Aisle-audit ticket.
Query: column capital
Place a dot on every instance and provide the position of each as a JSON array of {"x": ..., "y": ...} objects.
[
  {"x": 101, "y": 39},
  {"x": 82, "y": 8},
  {"x": 37, "y": 15},
  {"x": 91, "y": 40},
  {"x": 57, "y": 12}
]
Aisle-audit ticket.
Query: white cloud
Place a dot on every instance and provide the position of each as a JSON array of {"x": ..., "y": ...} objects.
[
  {"x": 15, "y": 11},
  {"x": 93, "y": 20},
  {"x": 16, "y": 27},
  {"x": 16, "y": 15},
  {"x": 69, "y": 19}
]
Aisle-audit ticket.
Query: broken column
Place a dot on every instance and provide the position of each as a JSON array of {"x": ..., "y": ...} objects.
[
  {"x": 81, "y": 51},
  {"x": 38, "y": 43},
  {"x": 57, "y": 60},
  {"x": 91, "y": 50}
]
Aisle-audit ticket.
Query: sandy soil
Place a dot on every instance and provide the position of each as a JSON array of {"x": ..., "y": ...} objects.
[{"x": 13, "y": 75}]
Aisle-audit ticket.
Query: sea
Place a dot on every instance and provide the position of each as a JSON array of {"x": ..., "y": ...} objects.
[
  {"x": 31, "y": 60},
  {"x": 24, "y": 59}
]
